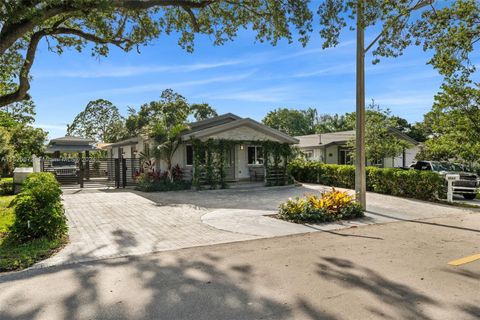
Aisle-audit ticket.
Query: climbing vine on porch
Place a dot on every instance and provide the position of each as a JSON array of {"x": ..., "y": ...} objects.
[
  {"x": 279, "y": 154},
  {"x": 210, "y": 161}
]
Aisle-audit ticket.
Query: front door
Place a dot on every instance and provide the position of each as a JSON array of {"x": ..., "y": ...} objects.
[{"x": 230, "y": 165}]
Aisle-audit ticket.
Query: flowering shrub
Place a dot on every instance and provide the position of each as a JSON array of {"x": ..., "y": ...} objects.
[
  {"x": 330, "y": 206},
  {"x": 158, "y": 181}
]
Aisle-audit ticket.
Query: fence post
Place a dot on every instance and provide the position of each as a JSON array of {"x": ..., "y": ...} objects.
[
  {"x": 117, "y": 173},
  {"x": 124, "y": 172},
  {"x": 81, "y": 173}
]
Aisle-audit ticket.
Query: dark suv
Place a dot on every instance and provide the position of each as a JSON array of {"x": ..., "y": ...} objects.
[{"x": 468, "y": 184}]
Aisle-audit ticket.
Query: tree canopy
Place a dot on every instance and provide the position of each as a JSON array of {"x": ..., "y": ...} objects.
[
  {"x": 455, "y": 124},
  {"x": 333, "y": 123},
  {"x": 449, "y": 28},
  {"x": 202, "y": 111},
  {"x": 291, "y": 121},
  {"x": 19, "y": 140},
  {"x": 100, "y": 121},
  {"x": 172, "y": 107},
  {"x": 380, "y": 143},
  {"x": 129, "y": 24}
]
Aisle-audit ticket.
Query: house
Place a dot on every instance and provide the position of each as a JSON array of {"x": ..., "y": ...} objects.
[
  {"x": 244, "y": 158},
  {"x": 332, "y": 148}
]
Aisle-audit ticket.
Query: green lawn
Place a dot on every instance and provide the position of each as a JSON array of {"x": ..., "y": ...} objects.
[
  {"x": 6, "y": 213},
  {"x": 15, "y": 256}
]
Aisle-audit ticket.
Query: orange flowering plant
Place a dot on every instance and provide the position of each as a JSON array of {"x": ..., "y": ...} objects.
[{"x": 329, "y": 206}]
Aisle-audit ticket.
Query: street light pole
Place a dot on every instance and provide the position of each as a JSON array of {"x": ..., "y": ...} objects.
[{"x": 360, "y": 159}]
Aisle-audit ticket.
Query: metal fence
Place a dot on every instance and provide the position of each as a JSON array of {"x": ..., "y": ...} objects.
[{"x": 90, "y": 172}]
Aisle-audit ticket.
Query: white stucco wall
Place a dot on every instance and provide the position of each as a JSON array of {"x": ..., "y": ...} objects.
[
  {"x": 332, "y": 155},
  {"x": 317, "y": 153},
  {"x": 397, "y": 162},
  {"x": 179, "y": 157}
]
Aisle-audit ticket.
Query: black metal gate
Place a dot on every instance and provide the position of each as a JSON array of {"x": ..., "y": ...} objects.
[{"x": 93, "y": 172}]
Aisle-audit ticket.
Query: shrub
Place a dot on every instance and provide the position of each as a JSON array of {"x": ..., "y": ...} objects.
[
  {"x": 158, "y": 181},
  {"x": 423, "y": 185},
  {"x": 330, "y": 206},
  {"x": 6, "y": 186},
  {"x": 38, "y": 209}
]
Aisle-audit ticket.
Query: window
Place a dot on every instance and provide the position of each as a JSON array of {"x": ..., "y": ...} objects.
[
  {"x": 345, "y": 156},
  {"x": 422, "y": 165},
  {"x": 308, "y": 154},
  {"x": 255, "y": 155},
  {"x": 189, "y": 156}
]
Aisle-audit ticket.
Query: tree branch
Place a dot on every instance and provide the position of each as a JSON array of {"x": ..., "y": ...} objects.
[
  {"x": 193, "y": 19},
  {"x": 11, "y": 32},
  {"x": 23, "y": 82},
  {"x": 88, "y": 36},
  {"x": 23, "y": 79}
]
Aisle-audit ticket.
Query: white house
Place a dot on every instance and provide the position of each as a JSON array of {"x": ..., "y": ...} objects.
[
  {"x": 332, "y": 148},
  {"x": 244, "y": 158}
]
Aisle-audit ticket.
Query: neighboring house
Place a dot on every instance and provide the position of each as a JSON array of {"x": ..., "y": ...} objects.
[
  {"x": 242, "y": 158},
  {"x": 332, "y": 148}
]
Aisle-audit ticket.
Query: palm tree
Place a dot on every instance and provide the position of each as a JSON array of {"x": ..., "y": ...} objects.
[{"x": 167, "y": 140}]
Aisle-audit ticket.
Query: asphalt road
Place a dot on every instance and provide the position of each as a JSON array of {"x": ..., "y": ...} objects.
[{"x": 391, "y": 271}]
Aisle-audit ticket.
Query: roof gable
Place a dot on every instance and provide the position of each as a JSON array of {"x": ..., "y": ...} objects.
[
  {"x": 71, "y": 140},
  {"x": 214, "y": 131},
  {"x": 212, "y": 122}
]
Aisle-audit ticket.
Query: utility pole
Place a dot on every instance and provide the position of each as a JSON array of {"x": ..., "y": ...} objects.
[
  {"x": 360, "y": 156},
  {"x": 360, "y": 174}
]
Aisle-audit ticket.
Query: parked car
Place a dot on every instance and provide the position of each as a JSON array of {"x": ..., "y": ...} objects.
[
  {"x": 64, "y": 167},
  {"x": 467, "y": 186}
]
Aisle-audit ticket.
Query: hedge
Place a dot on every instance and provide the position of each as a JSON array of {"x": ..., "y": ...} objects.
[
  {"x": 6, "y": 186},
  {"x": 38, "y": 209},
  {"x": 423, "y": 185}
]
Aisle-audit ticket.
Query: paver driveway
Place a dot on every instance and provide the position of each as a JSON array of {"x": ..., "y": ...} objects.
[
  {"x": 112, "y": 223},
  {"x": 109, "y": 224}
]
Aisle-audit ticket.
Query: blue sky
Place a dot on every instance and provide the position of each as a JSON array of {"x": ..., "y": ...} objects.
[{"x": 243, "y": 77}]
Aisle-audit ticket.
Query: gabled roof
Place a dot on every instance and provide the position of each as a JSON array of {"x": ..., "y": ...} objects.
[
  {"x": 206, "y": 128},
  {"x": 342, "y": 137},
  {"x": 70, "y": 144},
  {"x": 204, "y": 133},
  {"x": 400, "y": 135},
  {"x": 71, "y": 140},
  {"x": 212, "y": 122}
]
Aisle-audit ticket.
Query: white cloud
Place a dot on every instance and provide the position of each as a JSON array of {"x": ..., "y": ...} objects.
[
  {"x": 276, "y": 94},
  {"x": 161, "y": 86},
  {"x": 339, "y": 69},
  {"x": 129, "y": 71}
]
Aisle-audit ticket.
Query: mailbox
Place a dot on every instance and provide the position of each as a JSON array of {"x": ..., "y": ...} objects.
[{"x": 450, "y": 179}]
